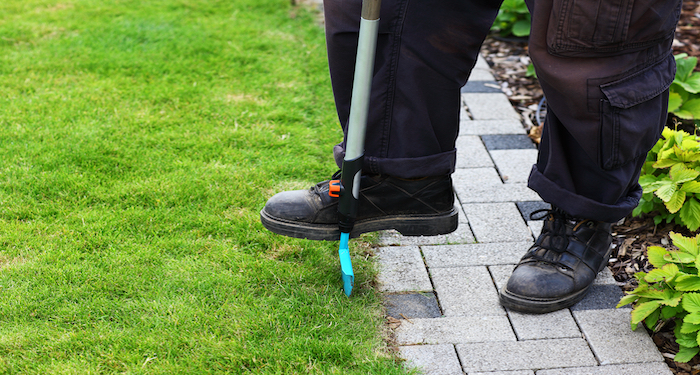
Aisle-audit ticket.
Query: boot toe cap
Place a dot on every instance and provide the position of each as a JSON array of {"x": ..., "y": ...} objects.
[
  {"x": 539, "y": 281},
  {"x": 290, "y": 205}
]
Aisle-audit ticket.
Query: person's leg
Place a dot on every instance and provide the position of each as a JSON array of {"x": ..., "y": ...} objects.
[
  {"x": 605, "y": 68},
  {"x": 425, "y": 52}
]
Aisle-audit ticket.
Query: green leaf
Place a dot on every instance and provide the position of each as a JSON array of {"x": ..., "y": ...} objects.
[
  {"x": 521, "y": 28},
  {"x": 666, "y": 190},
  {"x": 688, "y": 283},
  {"x": 692, "y": 318},
  {"x": 672, "y": 300},
  {"x": 685, "y": 115},
  {"x": 674, "y": 101},
  {"x": 626, "y": 300},
  {"x": 691, "y": 84},
  {"x": 680, "y": 173},
  {"x": 676, "y": 202},
  {"x": 642, "y": 310},
  {"x": 687, "y": 244},
  {"x": 652, "y": 319},
  {"x": 690, "y": 328},
  {"x": 656, "y": 256},
  {"x": 679, "y": 257},
  {"x": 666, "y": 273},
  {"x": 686, "y": 354},
  {"x": 684, "y": 66},
  {"x": 690, "y": 214},
  {"x": 687, "y": 340},
  {"x": 655, "y": 294},
  {"x": 691, "y": 302},
  {"x": 691, "y": 187},
  {"x": 668, "y": 312},
  {"x": 690, "y": 143}
]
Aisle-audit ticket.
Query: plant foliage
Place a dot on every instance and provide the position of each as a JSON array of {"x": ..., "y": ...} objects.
[
  {"x": 670, "y": 180},
  {"x": 513, "y": 19},
  {"x": 684, "y": 100},
  {"x": 670, "y": 293}
]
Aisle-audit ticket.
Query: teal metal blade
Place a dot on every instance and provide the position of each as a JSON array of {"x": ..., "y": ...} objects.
[{"x": 346, "y": 263}]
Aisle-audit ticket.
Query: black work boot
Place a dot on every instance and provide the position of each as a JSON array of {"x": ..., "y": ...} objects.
[
  {"x": 558, "y": 269},
  {"x": 421, "y": 207}
]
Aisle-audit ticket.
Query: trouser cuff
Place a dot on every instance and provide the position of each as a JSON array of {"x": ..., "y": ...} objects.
[
  {"x": 425, "y": 166},
  {"x": 580, "y": 206}
]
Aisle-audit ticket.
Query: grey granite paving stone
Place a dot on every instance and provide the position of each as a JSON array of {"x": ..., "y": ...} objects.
[
  {"x": 485, "y": 106},
  {"x": 605, "y": 277},
  {"x": 497, "y": 222},
  {"x": 654, "y": 368},
  {"x": 600, "y": 297},
  {"x": 527, "y": 208},
  {"x": 481, "y": 87},
  {"x": 394, "y": 238},
  {"x": 484, "y": 185},
  {"x": 463, "y": 234},
  {"x": 471, "y": 153},
  {"x": 454, "y": 330},
  {"x": 507, "y": 142},
  {"x": 535, "y": 228},
  {"x": 462, "y": 215},
  {"x": 432, "y": 359},
  {"x": 525, "y": 355},
  {"x": 464, "y": 114},
  {"x": 481, "y": 74},
  {"x": 402, "y": 270},
  {"x": 501, "y": 273},
  {"x": 466, "y": 291},
  {"x": 412, "y": 305},
  {"x": 514, "y": 165},
  {"x": 613, "y": 342},
  {"x": 481, "y": 63},
  {"x": 473, "y": 177},
  {"x": 555, "y": 325},
  {"x": 481, "y": 127},
  {"x": 516, "y": 372},
  {"x": 480, "y": 254}
]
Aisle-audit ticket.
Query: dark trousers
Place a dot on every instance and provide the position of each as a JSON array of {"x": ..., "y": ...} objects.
[{"x": 604, "y": 65}]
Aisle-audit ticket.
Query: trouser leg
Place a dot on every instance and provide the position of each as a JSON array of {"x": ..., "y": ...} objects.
[
  {"x": 425, "y": 52},
  {"x": 605, "y": 68}
]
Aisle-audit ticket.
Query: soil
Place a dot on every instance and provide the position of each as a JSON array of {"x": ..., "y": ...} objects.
[{"x": 509, "y": 61}]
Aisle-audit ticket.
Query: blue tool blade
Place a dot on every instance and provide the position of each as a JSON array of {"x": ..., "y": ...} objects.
[{"x": 346, "y": 263}]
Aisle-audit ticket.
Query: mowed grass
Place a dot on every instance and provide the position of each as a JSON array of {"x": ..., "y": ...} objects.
[{"x": 139, "y": 140}]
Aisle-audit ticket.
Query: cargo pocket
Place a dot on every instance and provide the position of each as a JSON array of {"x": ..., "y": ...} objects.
[
  {"x": 594, "y": 28},
  {"x": 633, "y": 113}
]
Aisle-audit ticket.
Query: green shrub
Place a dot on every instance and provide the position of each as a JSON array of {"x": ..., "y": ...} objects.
[
  {"x": 684, "y": 100},
  {"x": 513, "y": 19},
  {"x": 670, "y": 180},
  {"x": 668, "y": 294}
]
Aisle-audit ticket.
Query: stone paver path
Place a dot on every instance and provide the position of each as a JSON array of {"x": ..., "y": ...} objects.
[{"x": 443, "y": 289}]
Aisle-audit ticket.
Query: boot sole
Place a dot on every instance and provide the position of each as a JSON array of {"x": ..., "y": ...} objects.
[
  {"x": 407, "y": 225},
  {"x": 533, "y": 306}
]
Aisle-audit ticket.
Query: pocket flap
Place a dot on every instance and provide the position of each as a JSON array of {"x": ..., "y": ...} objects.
[{"x": 641, "y": 86}]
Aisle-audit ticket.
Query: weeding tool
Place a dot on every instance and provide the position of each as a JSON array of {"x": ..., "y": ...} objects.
[{"x": 348, "y": 187}]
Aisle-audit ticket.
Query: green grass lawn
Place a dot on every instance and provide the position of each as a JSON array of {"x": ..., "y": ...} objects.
[{"x": 140, "y": 139}]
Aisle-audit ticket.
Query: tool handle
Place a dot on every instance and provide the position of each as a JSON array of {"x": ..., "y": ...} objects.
[
  {"x": 370, "y": 9},
  {"x": 357, "y": 121}
]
